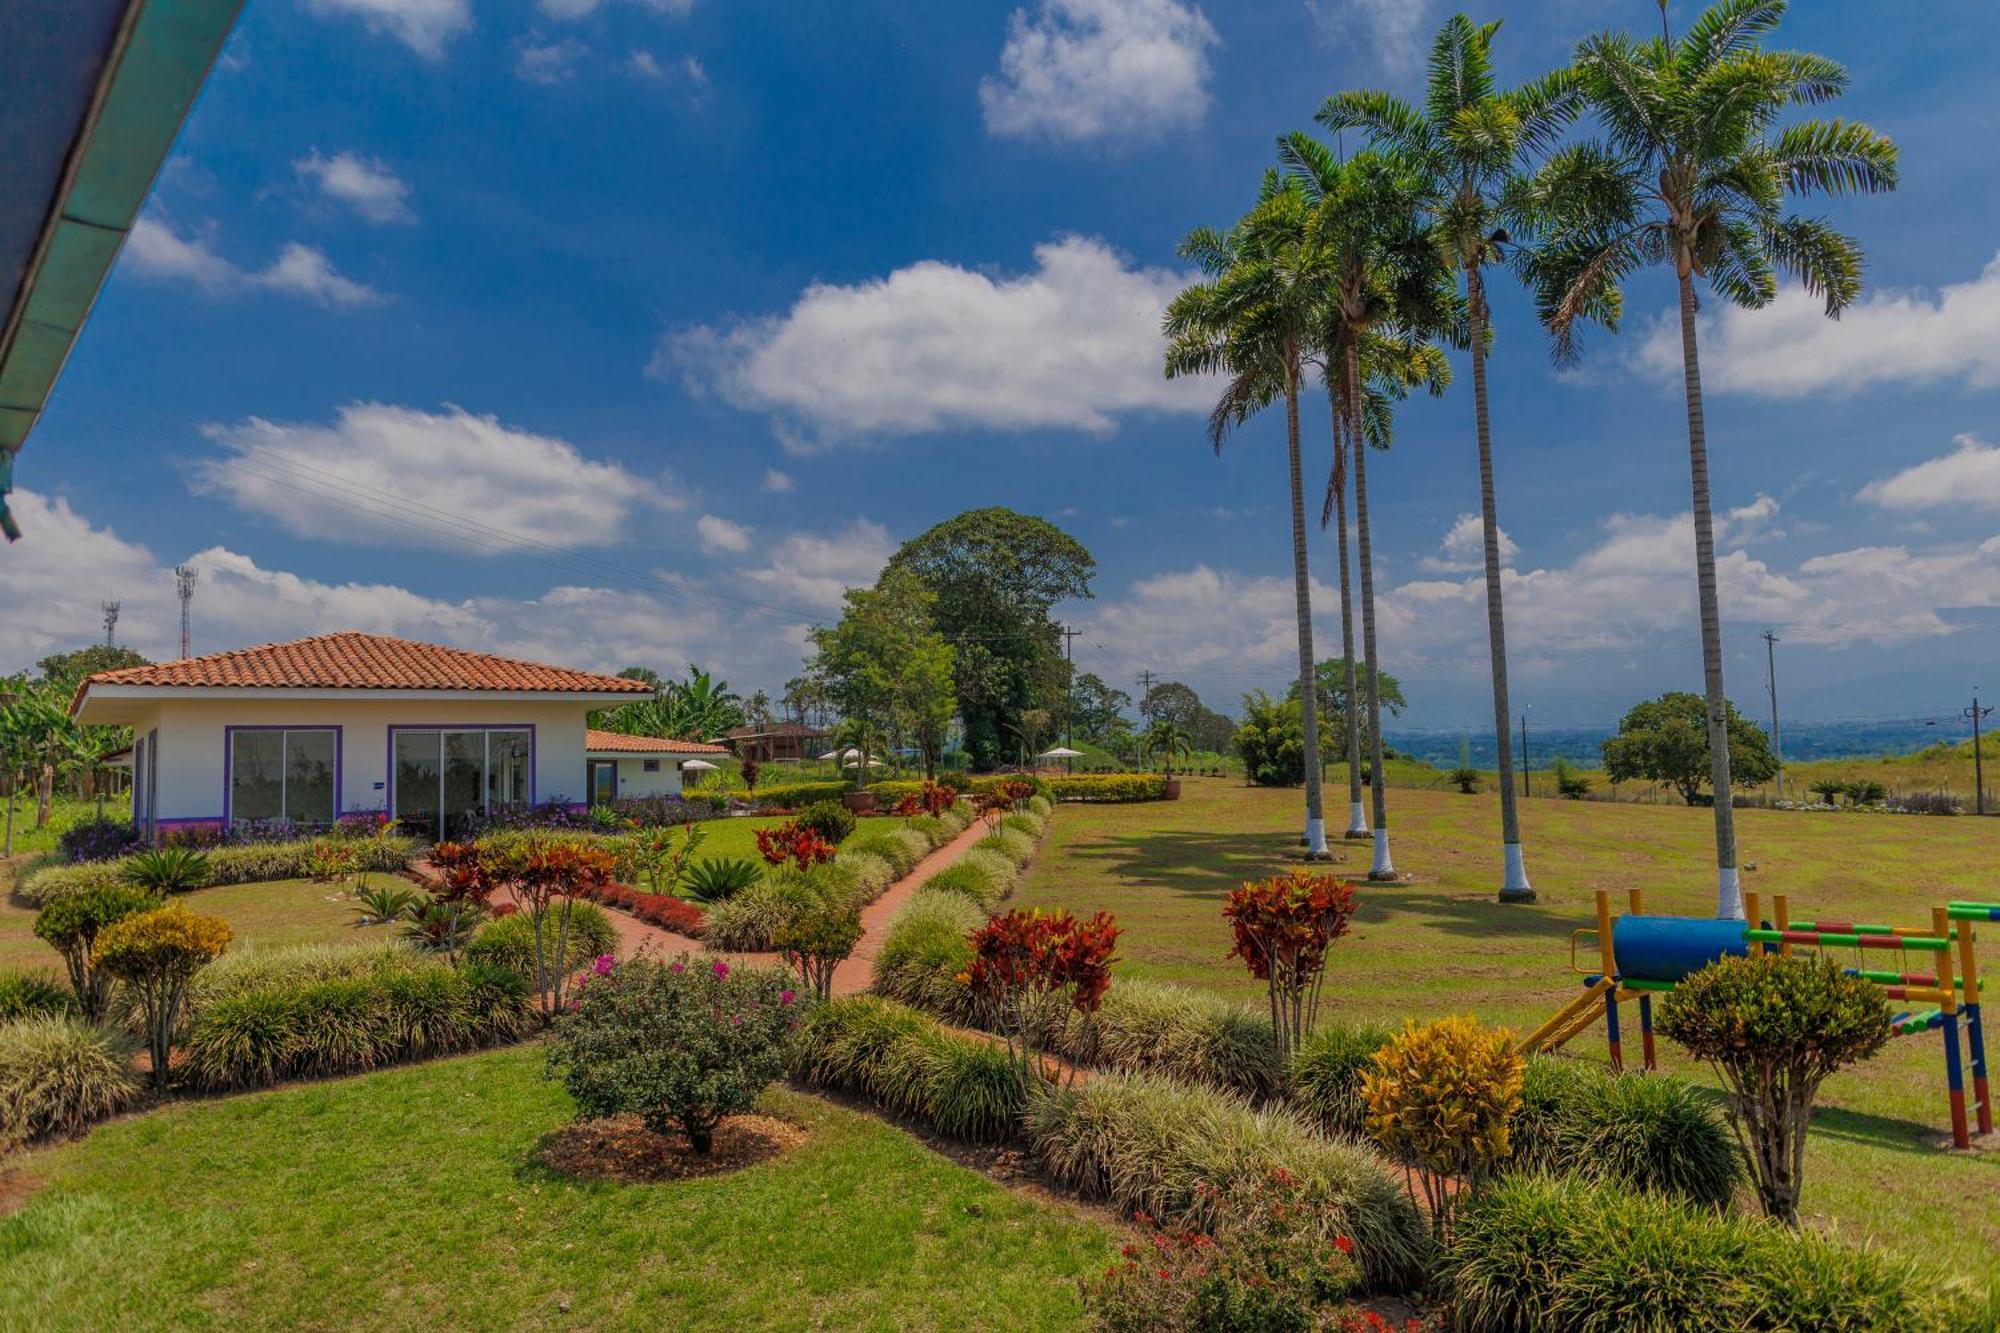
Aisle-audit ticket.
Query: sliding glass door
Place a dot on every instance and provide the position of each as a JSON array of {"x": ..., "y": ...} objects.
[{"x": 442, "y": 777}]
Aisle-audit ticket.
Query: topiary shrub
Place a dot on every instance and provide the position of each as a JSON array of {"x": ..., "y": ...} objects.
[
  {"x": 1439, "y": 1097},
  {"x": 682, "y": 1045},
  {"x": 58, "y": 1074},
  {"x": 1773, "y": 1028},
  {"x": 831, "y": 820},
  {"x": 509, "y": 941},
  {"x": 1546, "y": 1254},
  {"x": 1327, "y": 1069},
  {"x": 29, "y": 995},
  {"x": 157, "y": 953},
  {"x": 1656, "y": 1133},
  {"x": 70, "y": 925}
]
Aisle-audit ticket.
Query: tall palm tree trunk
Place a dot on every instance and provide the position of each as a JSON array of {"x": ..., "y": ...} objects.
[
  {"x": 1357, "y": 813},
  {"x": 1302, "y": 597},
  {"x": 1514, "y": 886},
  {"x": 1728, "y": 890},
  {"x": 1384, "y": 867}
]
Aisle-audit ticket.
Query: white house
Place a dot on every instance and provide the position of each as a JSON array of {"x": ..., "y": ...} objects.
[
  {"x": 622, "y": 765},
  {"x": 348, "y": 723}
]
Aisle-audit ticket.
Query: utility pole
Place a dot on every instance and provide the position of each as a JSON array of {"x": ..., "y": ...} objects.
[
  {"x": 1524, "y": 755},
  {"x": 184, "y": 577},
  {"x": 1145, "y": 693},
  {"x": 1777, "y": 750},
  {"x": 110, "y": 622},
  {"x": 1069, "y": 696},
  {"x": 1977, "y": 714}
]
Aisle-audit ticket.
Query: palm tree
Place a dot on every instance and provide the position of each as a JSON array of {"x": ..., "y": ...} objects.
[
  {"x": 1467, "y": 143},
  {"x": 1168, "y": 740},
  {"x": 1693, "y": 174},
  {"x": 1253, "y": 320},
  {"x": 1383, "y": 275}
]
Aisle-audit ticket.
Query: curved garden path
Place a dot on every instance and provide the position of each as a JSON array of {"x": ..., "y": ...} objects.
[{"x": 857, "y": 972}]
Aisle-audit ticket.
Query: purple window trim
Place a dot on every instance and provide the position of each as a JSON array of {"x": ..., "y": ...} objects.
[
  {"x": 229, "y": 759},
  {"x": 534, "y": 751}
]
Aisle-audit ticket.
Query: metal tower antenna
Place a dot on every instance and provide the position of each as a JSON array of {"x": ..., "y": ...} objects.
[
  {"x": 110, "y": 622},
  {"x": 184, "y": 577}
]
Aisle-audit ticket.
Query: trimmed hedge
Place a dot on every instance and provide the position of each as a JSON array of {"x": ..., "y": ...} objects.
[
  {"x": 961, "y": 1086},
  {"x": 1155, "y": 1145},
  {"x": 1545, "y": 1254},
  {"x": 1653, "y": 1133},
  {"x": 1108, "y": 787},
  {"x": 58, "y": 1074},
  {"x": 895, "y": 789},
  {"x": 385, "y": 1009},
  {"x": 247, "y": 864},
  {"x": 795, "y": 795}
]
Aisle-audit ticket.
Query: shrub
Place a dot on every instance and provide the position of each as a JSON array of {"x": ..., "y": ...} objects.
[
  {"x": 900, "y": 847},
  {"x": 930, "y": 828},
  {"x": 156, "y": 953},
  {"x": 1772, "y": 1029},
  {"x": 253, "y": 969},
  {"x": 167, "y": 870},
  {"x": 752, "y": 921},
  {"x": 962, "y": 1086},
  {"x": 1465, "y": 779},
  {"x": 793, "y": 845},
  {"x": 1327, "y": 1069},
  {"x": 817, "y": 940},
  {"x": 1108, "y": 787},
  {"x": 999, "y": 871},
  {"x": 925, "y": 951},
  {"x": 41, "y": 881},
  {"x": 1541, "y": 1254},
  {"x": 545, "y": 877},
  {"x": 1040, "y": 805},
  {"x": 1023, "y": 822},
  {"x": 1016, "y": 846},
  {"x": 869, "y": 876},
  {"x": 509, "y": 942},
  {"x": 1182, "y": 1034},
  {"x": 717, "y": 878},
  {"x": 797, "y": 795},
  {"x": 1439, "y": 1097},
  {"x": 1927, "y": 803},
  {"x": 70, "y": 925},
  {"x": 1656, "y": 1133},
  {"x": 246, "y": 863},
  {"x": 97, "y": 840},
  {"x": 975, "y": 883},
  {"x": 660, "y": 854},
  {"x": 28, "y": 995},
  {"x": 681, "y": 1045},
  {"x": 1252, "y": 1269},
  {"x": 669, "y": 913},
  {"x": 831, "y": 820},
  {"x": 58, "y": 1074},
  {"x": 1029, "y": 963},
  {"x": 1171, "y": 1150},
  {"x": 1283, "y": 927}
]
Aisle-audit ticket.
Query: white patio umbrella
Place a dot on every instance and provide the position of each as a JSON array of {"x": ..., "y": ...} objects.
[
  {"x": 856, "y": 763},
  {"x": 840, "y": 754},
  {"x": 1060, "y": 752},
  {"x": 697, "y": 766}
]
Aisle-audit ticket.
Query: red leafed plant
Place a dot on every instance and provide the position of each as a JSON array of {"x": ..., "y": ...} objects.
[
  {"x": 669, "y": 913},
  {"x": 545, "y": 877},
  {"x": 1028, "y": 960},
  {"x": 1284, "y": 925},
  {"x": 793, "y": 844}
]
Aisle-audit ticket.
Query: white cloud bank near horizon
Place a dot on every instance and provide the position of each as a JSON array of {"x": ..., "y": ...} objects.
[{"x": 1080, "y": 70}]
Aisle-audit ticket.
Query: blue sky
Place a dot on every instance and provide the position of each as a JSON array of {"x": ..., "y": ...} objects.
[{"x": 634, "y": 330}]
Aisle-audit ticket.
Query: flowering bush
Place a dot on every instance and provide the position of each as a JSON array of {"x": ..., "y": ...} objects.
[
  {"x": 1439, "y": 1097},
  {"x": 682, "y": 1045},
  {"x": 156, "y": 953},
  {"x": 792, "y": 843},
  {"x": 97, "y": 840},
  {"x": 1283, "y": 927},
  {"x": 330, "y": 861},
  {"x": 933, "y": 798},
  {"x": 1026, "y": 962},
  {"x": 1257, "y": 1267}
]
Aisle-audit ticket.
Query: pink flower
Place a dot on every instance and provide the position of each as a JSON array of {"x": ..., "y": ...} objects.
[
  {"x": 721, "y": 970},
  {"x": 677, "y": 967},
  {"x": 603, "y": 964},
  {"x": 786, "y": 997},
  {"x": 736, "y": 1021}
]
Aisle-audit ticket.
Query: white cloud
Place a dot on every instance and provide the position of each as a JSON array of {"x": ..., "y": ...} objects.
[
  {"x": 1464, "y": 548},
  {"x": 935, "y": 347},
  {"x": 1790, "y": 348},
  {"x": 1391, "y": 31},
  {"x": 422, "y": 25},
  {"x": 309, "y": 479},
  {"x": 154, "y": 250},
  {"x": 812, "y": 572},
  {"x": 1969, "y": 476},
  {"x": 576, "y": 9},
  {"x": 777, "y": 483},
  {"x": 719, "y": 534},
  {"x": 363, "y": 184},
  {"x": 645, "y": 65},
  {"x": 549, "y": 62},
  {"x": 1087, "y": 69}
]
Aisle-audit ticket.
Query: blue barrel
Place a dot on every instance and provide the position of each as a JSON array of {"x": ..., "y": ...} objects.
[{"x": 1668, "y": 948}]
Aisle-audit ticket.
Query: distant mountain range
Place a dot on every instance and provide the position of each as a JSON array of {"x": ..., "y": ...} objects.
[{"x": 1580, "y": 745}]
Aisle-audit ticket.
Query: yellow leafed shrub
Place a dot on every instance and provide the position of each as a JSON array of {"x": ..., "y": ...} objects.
[{"x": 1439, "y": 1096}]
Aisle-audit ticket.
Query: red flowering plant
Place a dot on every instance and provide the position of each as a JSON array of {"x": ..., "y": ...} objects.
[
  {"x": 661, "y": 854},
  {"x": 1283, "y": 926},
  {"x": 545, "y": 877},
  {"x": 933, "y": 798},
  {"x": 1259, "y": 1263},
  {"x": 1027, "y": 962},
  {"x": 791, "y": 843},
  {"x": 460, "y": 898}
]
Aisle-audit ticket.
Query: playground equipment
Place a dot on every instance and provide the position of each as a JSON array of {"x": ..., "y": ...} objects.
[{"x": 1640, "y": 956}]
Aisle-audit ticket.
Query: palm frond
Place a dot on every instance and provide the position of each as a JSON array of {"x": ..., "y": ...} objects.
[
  {"x": 1826, "y": 262},
  {"x": 1724, "y": 30},
  {"x": 1385, "y": 118},
  {"x": 1835, "y": 157},
  {"x": 1461, "y": 69}
]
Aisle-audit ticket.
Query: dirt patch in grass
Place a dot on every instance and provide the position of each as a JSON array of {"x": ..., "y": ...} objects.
[
  {"x": 16, "y": 1185},
  {"x": 622, "y": 1149}
]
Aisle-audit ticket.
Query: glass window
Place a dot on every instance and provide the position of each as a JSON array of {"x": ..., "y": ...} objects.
[
  {"x": 417, "y": 773},
  {"x": 507, "y": 758},
  {"x": 282, "y": 775},
  {"x": 257, "y": 775},
  {"x": 310, "y": 797},
  {"x": 443, "y": 776}
]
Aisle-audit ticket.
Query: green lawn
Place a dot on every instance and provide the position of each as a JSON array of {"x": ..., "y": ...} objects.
[
  {"x": 277, "y": 912},
  {"x": 412, "y": 1199},
  {"x": 1443, "y": 945}
]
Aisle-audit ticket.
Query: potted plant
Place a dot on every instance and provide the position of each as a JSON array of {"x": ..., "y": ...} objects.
[
  {"x": 1169, "y": 741},
  {"x": 857, "y": 743}
]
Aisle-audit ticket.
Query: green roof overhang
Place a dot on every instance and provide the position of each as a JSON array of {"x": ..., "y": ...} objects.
[{"x": 97, "y": 90}]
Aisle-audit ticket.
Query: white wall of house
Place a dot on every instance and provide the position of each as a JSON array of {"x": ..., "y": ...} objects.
[
  {"x": 193, "y": 739},
  {"x": 634, "y": 780}
]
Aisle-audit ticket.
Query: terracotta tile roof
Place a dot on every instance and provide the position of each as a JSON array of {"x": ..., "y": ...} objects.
[
  {"x": 356, "y": 661},
  {"x": 621, "y": 743}
]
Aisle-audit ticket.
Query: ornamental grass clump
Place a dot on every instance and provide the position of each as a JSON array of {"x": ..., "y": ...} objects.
[
  {"x": 1183, "y": 1034},
  {"x": 904, "y": 1060},
  {"x": 156, "y": 953},
  {"x": 1656, "y": 1133},
  {"x": 1772, "y": 1029},
  {"x": 1283, "y": 927},
  {"x": 27, "y": 995},
  {"x": 1030, "y": 963},
  {"x": 1327, "y": 1070},
  {"x": 70, "y": 925},
  {"x": 509, "y": 941},
  {"x": 1439, "y": 1098},
  {"x": 58, "y": 1074},
  {"x": 926, "y": 953},
  {"x": 682, "y": 1045}
]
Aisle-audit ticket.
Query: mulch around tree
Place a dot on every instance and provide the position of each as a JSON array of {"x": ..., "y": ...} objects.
[{"x": 623, "y": 1150}]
